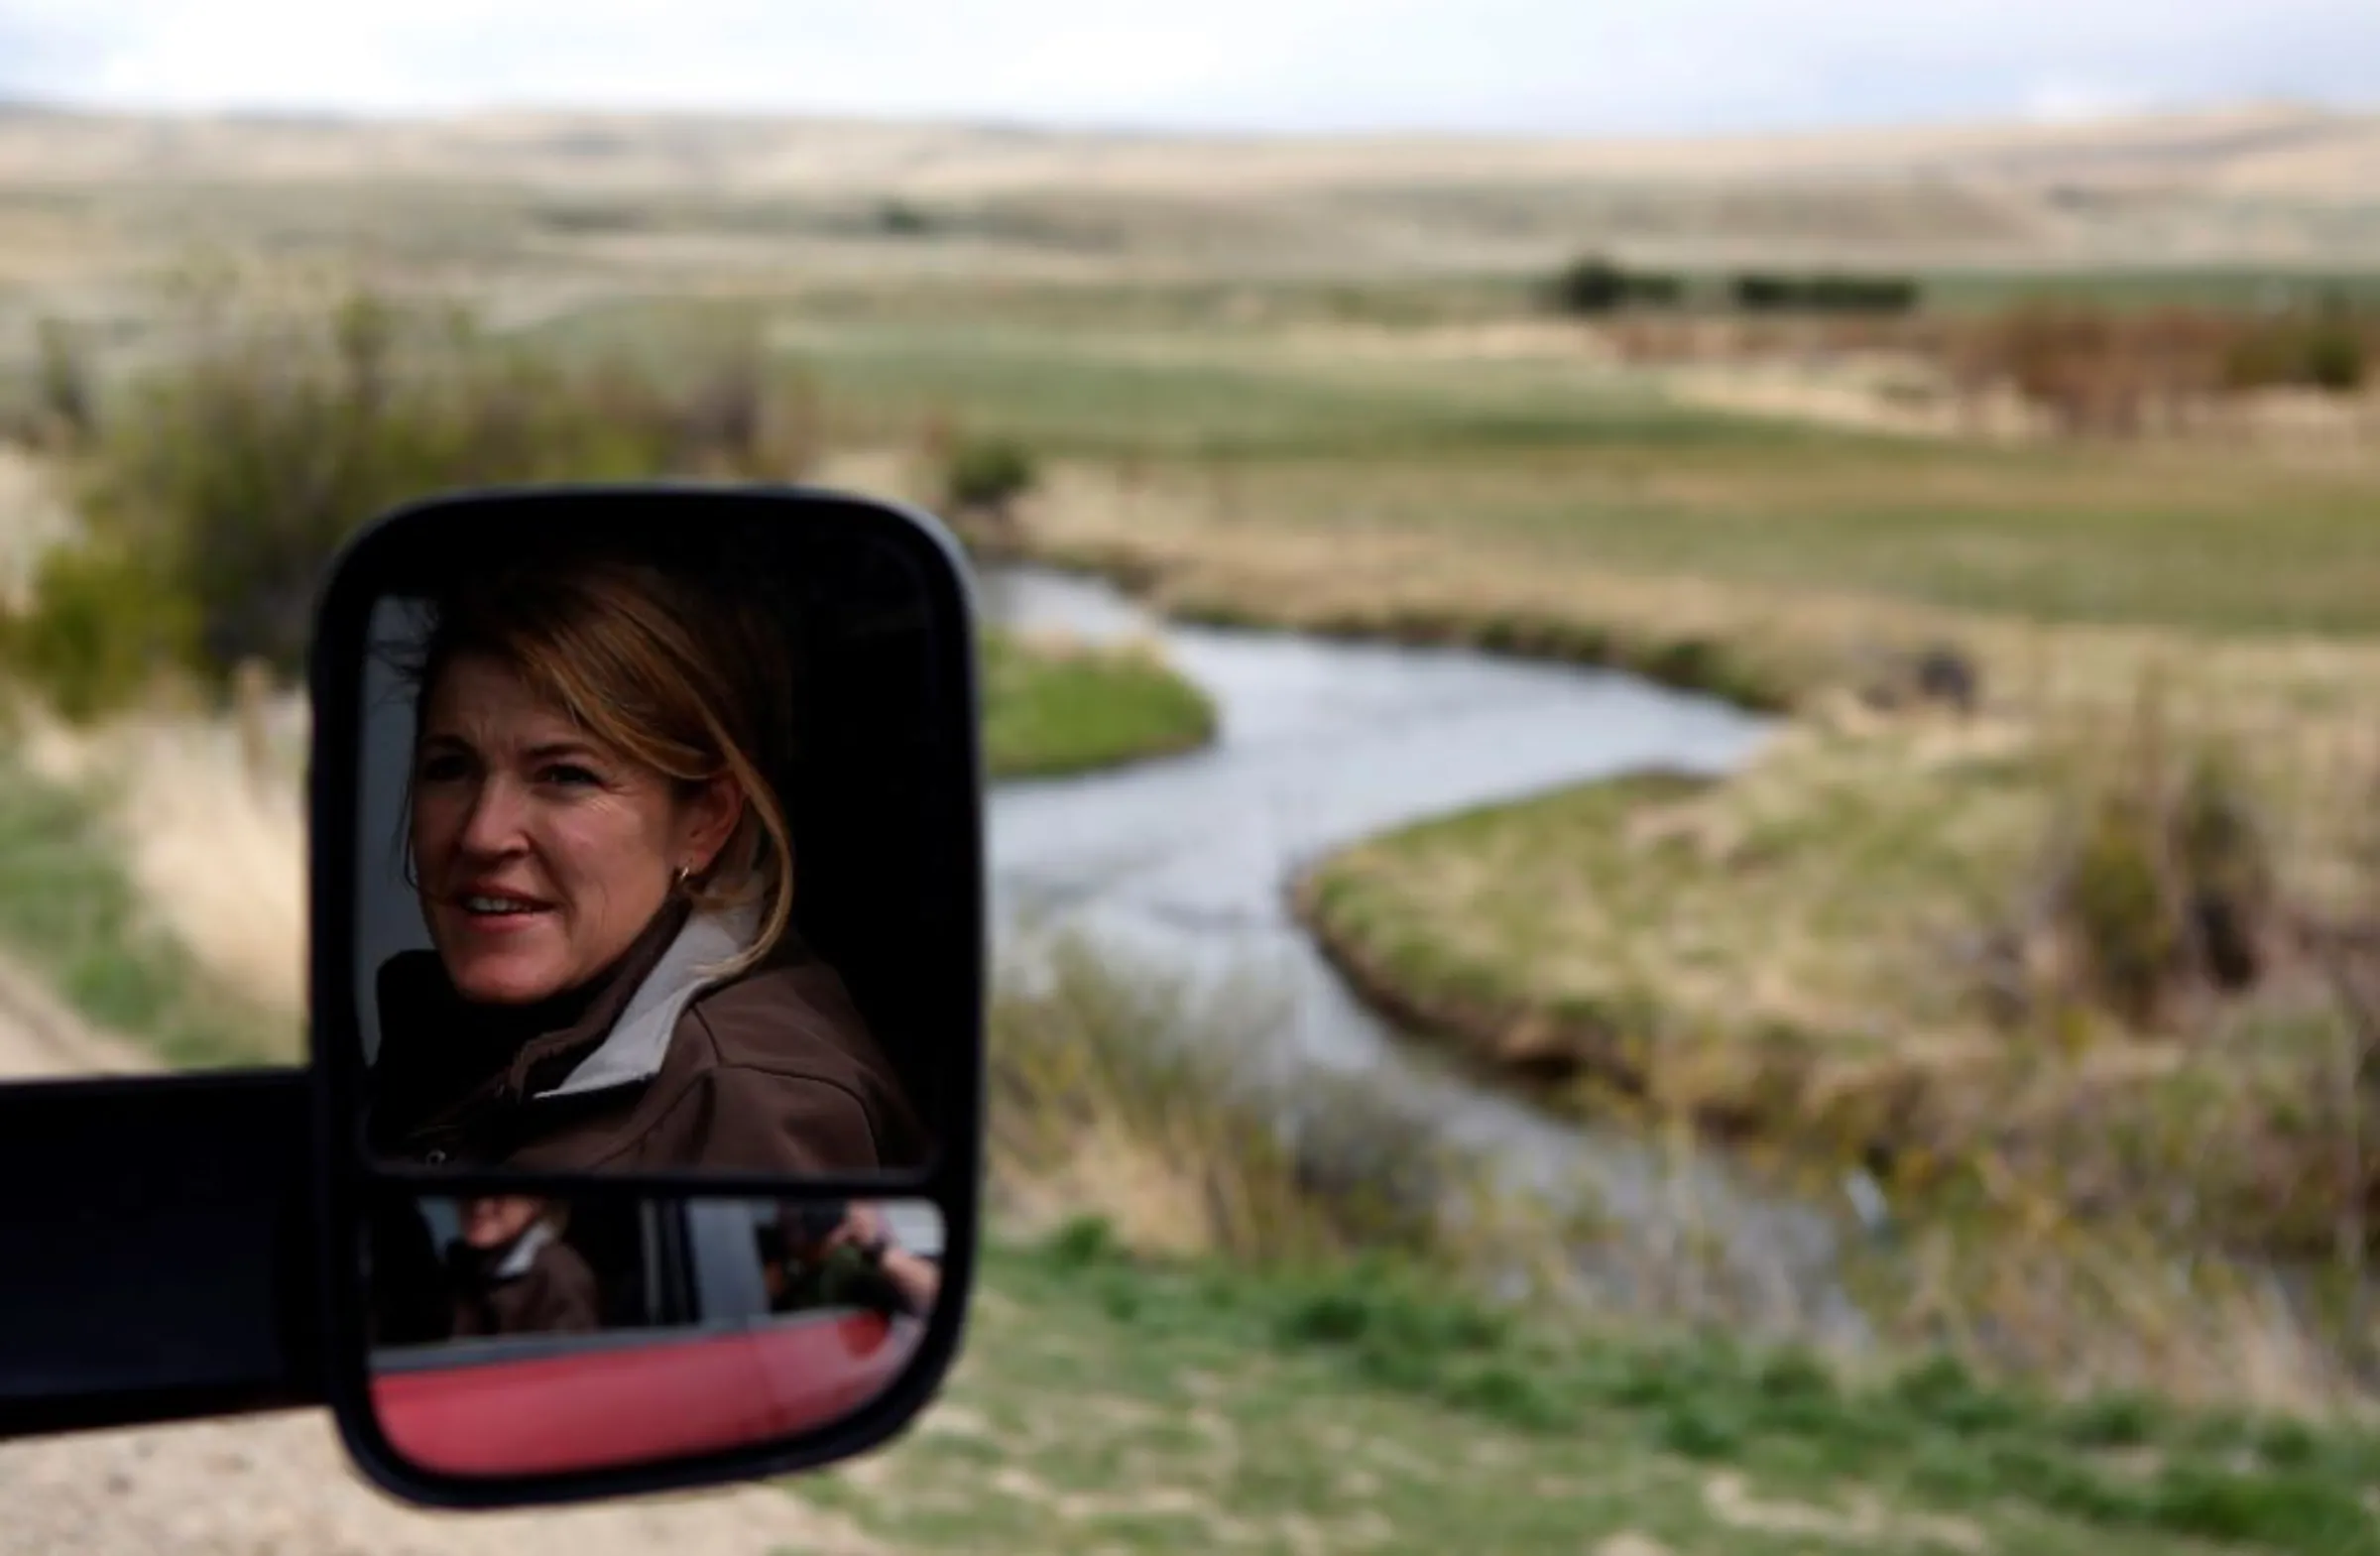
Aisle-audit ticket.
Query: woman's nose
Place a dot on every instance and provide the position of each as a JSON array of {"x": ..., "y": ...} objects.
[{"x": 494, "y": 825}]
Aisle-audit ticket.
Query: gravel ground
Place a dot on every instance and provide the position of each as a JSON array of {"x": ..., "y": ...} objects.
[{"x": 281, "y": 1483}]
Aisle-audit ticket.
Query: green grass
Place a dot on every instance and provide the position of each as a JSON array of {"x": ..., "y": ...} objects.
[
  {"x": 2158, "y": 537},
  {"x": 1790, "y": 955},
  {"x": 1577, "y": 464},
  {"x": 1133, "y": 374},
  {"x": 2203, "y": 287},
  {"x": 1564, "y": 459},
  {"x": 67, "y": 910},
  {"x": 1112, "y": 1404},
  {"x": 1052, "y": 710}
]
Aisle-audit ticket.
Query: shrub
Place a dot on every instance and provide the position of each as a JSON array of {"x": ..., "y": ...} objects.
[
  {"x": 241, "y": 466},
  {"x": 2325, "y": 351},
  {"x": 66, "y": 401},
  {"x": 1761, "y": 294},
  {"x": 2158, "y": 885},
  {"x": 2121, "y": 907},
  {"x": 1594, "y": 285},
  {"x": 100, "y": 626},
  {"x": 2333, "y": 359},
  {"x": 2099, "y": 370},
  {"x": 2083, "y": 365},
  {"x": 1591, "y": 285},
  {"x": 1654, "y": 289},
  {"x": 1859, "y": 293},
  {"x": 902, "y": 219},
  {"x": 1760, "y": 291},
  {"x": 988, "y": 475},
  {"x": 738, "y": 419}
]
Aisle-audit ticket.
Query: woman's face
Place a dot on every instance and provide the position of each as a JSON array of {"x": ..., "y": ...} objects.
[
  {"x": 495, "y": 1220},
  {"x": 541, "y": 853}
]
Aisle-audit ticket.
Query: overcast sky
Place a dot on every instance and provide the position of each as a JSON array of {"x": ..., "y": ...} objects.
[{"x": 1628, "y": 67}]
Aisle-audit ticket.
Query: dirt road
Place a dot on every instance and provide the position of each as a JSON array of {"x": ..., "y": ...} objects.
[{"x": 279, "y": 1484}]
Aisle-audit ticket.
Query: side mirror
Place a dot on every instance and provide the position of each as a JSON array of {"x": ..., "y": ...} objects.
[
  {"x": 647, "y": 983},
  {"x": 641, "y": 1139}
]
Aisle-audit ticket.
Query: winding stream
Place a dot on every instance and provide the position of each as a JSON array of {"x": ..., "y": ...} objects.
[{"x": 1183, "y": 864}]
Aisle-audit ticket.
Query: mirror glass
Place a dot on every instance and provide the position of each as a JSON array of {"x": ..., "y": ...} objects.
[
  {"x": 514, "y": 1334},
  {"x": 663, "y": 809}
]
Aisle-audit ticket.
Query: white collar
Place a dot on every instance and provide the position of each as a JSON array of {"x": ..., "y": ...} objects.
[
  {"x": 524, "y": 1251},
  {"x": 639, "y": 1039}
]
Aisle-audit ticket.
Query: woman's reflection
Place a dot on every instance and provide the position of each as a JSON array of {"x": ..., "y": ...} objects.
[
  {"x": 843, "y": 1256},
  {"x": 511, "y": 1273},
  {"x": 605, "y": 867}
]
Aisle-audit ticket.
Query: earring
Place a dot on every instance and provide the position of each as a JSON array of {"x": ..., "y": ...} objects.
[{"x": 678, "y": 880}]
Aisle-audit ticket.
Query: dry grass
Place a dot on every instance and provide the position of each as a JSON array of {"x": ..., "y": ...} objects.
[
  {"x": 212, "y": 836},
  {"x": 33, "y": 518},
  {"x": 1797, "y": 954},
  {"x": 1530, "y": 557},
  {"x": 1121, "y": 1092},
  {"x": 1127, "y": 1099}
]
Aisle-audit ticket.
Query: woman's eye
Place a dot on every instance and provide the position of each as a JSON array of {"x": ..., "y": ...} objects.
[
  {"x": 571, "y": 776},
  {"x": 443, "y": 769}
]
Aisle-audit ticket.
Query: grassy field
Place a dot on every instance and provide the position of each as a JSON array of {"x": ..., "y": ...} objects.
[
  {"x": 1528, "y": 492},
  {"x": 1795, "y": 958},
  {"x": 1790, "y": 951},
  {"x": 1052, "y": 708},
  {"x": 1108, "y": 1403},
  {"x": 1557, "y": 455},
  {"x": 70, "y": 909},
  {"x": 1336, "y": 402}
]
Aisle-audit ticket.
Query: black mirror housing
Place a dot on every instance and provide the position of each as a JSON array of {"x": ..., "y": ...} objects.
[{"x": 876, "y": 992}]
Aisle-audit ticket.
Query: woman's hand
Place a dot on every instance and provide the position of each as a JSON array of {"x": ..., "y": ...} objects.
[
  {"x": 863, "y": 1228},
  {"x": 920, "y": 1280}
]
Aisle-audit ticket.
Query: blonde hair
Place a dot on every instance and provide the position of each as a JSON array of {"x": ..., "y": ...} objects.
[{"x": 678, "y": 675}]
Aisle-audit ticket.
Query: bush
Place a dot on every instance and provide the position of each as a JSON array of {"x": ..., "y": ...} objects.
[
  {"x": 1594, "y": 285},
  {"x": 988, "y": 475},
  {"x": 2090, "y": 369},
  {"x": 1824, "y": 293},
  {"x": 1761, "y": 294},
  {"x": 100, "y": 626},
  {"x": 2159, "y": 885},
  {"x": 2121, "y": 907},
  {"x": 66, "y": 401},
  {"x": 1591, "y": 286},
  {"x": 2101, "y": 369},
  {"x": 1655, "y": 291},
  {"x": 1861, "y": 294},
  {"x": 2325, "y": 353},
  {"x": 241, "y": 467},
  {"x": 902, "y": 219}
]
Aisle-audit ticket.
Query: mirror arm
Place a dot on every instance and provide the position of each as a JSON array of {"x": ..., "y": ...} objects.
[{"x": 161, "y": 1250}]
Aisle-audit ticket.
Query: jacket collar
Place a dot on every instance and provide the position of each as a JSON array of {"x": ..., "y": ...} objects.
[
  {"x": 638, "y": 1040},
  {"x": 618, "y": 1037},
  {"x": 524, "y": 1251}
]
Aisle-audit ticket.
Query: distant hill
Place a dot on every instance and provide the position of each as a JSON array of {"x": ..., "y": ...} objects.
[
  {"x": 2264, "y": 185},
  {"x": 2271, "y": 150}
]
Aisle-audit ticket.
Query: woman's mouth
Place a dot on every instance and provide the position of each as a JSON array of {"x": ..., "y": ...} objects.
[{"x": 492, "y": 908}]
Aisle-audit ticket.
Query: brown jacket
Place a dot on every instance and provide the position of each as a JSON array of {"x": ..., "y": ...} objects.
[
  {"x": 539, "y": 1286},
  {"x": 770, "y": 1072}
]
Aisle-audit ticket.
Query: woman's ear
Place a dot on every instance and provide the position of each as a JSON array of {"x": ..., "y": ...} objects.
[{"x": 709, "y": 820}]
